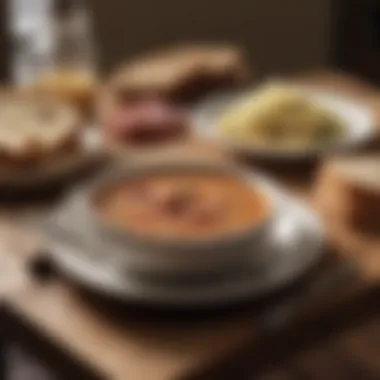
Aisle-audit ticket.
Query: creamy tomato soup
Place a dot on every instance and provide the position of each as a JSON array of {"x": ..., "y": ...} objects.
[{"x": 183, "y": 205}]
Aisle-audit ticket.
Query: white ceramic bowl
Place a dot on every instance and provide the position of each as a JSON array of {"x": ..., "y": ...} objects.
[
  {"x": 147, "y": 254},
  {"x": 358, "y": 121}
]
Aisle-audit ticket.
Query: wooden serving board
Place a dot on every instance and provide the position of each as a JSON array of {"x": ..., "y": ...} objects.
[
  {"x": 83, "y": 337},
  {"x": 139, "y": 347}
]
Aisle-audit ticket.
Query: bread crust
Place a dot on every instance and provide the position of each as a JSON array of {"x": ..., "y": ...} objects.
[
  {"x": 35, "y": 130},
  {"x": 340, "y": 197},
  {"x": 180, "y": 73}
]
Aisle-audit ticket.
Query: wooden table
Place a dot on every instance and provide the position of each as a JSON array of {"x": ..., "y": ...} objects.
[{"x": 84, "y": 337}]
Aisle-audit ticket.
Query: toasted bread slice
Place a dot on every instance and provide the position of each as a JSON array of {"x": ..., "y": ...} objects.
[
  {"x": 34, "y": 129},
  {"x": 181, "y": 73},
  {"x": 348, "y": 188}
]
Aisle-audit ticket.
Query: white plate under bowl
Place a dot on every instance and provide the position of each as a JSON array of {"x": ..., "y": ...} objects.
[
  {"x": 294, "y": 245},
  {"x": 357, "y": 118},
  {"x": 76, "y": 221}
]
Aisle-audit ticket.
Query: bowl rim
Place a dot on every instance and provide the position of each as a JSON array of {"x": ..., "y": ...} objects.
[{"x": 123, "y": 171}]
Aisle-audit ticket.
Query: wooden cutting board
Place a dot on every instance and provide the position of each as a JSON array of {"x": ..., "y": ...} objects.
[
  {"x": 84, "y": 338},
  {"x": 164, "y": 347}
]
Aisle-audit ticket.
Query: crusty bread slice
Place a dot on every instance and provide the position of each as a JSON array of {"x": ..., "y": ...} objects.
[
  {"x": 182, "y": 73},
  {"x": 363, "y": 171},
  {"x": 33, "y": 129},
  {"x": 348, "y": 188}
]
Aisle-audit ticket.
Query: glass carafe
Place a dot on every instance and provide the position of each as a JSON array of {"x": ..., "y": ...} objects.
[{"x": 70, "y": 71}]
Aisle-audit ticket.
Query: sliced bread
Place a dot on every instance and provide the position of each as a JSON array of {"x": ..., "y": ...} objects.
[{"x": 348, "y": 188}]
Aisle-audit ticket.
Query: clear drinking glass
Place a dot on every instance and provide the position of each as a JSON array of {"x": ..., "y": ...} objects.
[
  {"x": 28, "y": 26},
  {"x": 70, "y": 70}
]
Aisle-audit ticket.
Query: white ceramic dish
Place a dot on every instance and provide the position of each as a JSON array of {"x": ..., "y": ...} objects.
[
  {"x": 166, "y": 256},
  {"x": 293, "y": 245},
  {"x": 357, "y": 118}
]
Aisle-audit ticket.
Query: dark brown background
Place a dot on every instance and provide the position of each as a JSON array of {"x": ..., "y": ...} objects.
[
  {"x": 279, "y": 35},
  {"x": 359, "y": 46}
]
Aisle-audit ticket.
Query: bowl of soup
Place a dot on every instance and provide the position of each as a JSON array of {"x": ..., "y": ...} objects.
[{"x": 183, "y": 216}]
